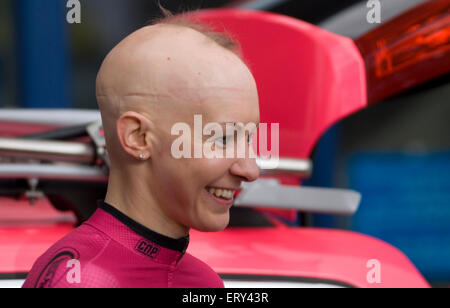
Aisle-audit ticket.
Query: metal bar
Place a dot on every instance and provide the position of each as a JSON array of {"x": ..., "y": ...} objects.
[
  {"x": 298, "y": 167},
  {"x": 57, "y": 117},
  {"x": 61, "y": 133},
  {"x": 47, "y": 150},
  {"x": 53, "y": 172},
  {"x": 269, "y": 193}
]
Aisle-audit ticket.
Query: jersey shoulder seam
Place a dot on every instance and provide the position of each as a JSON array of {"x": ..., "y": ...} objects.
[{"x": 102, "y": 250}]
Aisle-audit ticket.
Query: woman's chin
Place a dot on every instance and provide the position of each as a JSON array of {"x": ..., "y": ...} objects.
[{"x": 219, "y": 223}]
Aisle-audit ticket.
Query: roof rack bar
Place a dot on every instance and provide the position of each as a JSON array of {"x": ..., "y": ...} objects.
[
  {"x": 67, "y": 172},
  {"x": 299, "y": 167},
  {"x": 47, "y": 150}
]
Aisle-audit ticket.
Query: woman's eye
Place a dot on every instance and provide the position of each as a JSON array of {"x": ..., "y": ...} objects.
[
  {"x": 226, "y": 139},
  {"x": 223, "y": 140}
]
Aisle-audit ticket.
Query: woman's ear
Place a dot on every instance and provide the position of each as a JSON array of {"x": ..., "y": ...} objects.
[{"x": 133, "y": 131}]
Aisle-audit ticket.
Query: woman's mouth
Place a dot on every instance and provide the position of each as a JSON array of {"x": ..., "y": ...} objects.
[{"x": 222, "y": 193}]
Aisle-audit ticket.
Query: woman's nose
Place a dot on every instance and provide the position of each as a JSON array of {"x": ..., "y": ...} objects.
[{"x": 245, "y": 168}]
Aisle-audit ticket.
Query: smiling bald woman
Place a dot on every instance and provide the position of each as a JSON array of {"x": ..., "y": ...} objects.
[{"x": 158, "y": 76}]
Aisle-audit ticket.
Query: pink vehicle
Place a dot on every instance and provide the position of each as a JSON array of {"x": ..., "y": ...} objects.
[{"x": 308, "y": 79}]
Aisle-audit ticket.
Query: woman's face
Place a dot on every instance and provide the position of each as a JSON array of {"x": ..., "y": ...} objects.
[{"x": 198, "y": 192}]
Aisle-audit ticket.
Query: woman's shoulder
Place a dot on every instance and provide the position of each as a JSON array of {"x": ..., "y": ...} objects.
[
  {"x": 192, "y": 272},
  {"x": 65, "y": 258}
]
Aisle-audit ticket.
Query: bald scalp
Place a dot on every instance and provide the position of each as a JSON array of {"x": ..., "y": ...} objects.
[
  {"x": 183, "y": 22},
  {"x": 143, "y": 61}
]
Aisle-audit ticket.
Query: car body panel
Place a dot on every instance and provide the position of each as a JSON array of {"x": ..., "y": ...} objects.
[
  {"x": 27, "y": 231},
  {"x": 323, "y": 254}
]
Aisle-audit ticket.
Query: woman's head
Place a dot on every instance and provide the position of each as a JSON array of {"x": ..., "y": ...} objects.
[{"x": 159, "y": 76}]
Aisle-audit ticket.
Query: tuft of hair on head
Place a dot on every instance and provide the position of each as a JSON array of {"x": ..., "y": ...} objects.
[{"x": 187, "y": 20}]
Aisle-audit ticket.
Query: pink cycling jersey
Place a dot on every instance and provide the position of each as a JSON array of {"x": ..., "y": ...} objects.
[{"x": 111, "y": 250}]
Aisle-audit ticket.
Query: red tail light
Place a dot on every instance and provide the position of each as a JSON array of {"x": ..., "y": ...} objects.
[{"x": 408, "y": 50}]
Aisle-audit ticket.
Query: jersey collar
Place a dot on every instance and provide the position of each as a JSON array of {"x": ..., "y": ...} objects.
[{"x": 175, "y": 248}]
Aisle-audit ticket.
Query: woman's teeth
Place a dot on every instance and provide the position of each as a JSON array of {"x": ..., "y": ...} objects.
[{"x": 221, "y": 193}]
